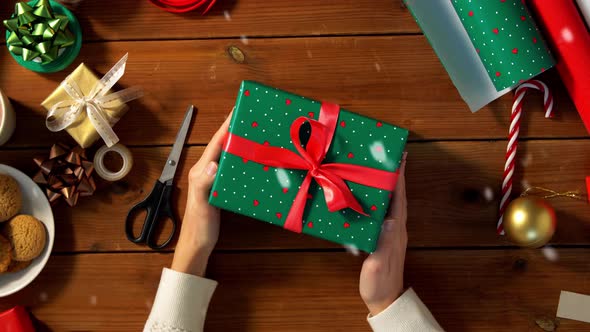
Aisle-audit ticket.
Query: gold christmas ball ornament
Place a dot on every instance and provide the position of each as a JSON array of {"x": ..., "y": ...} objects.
[{"x": 529, "y": 222}]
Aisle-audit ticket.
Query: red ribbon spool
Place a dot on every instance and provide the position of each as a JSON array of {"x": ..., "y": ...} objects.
[
  {"x": 183, "y": 6},
  {"x": 329, "y": 176}
]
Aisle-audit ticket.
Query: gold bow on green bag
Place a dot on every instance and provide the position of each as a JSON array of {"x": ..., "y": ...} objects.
[{"x": 38, "y": 32}]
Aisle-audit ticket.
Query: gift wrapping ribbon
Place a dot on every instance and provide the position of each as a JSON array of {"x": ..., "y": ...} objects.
[
  {"x": 37, "y": 32},
  {"x": 65, "y": 113},
  {"x": 66, "y": 173},
  {"x": 182, "y": 6},
  {"x": 329, "y": 176}
]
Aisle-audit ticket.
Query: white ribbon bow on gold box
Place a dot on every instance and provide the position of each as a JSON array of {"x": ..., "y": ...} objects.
[{"x": 94, "y": 104}]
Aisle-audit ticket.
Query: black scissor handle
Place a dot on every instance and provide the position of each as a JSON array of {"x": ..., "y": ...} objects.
[
  {"x": 157, "y": 206},
  {"x": 164, "y": 210}
]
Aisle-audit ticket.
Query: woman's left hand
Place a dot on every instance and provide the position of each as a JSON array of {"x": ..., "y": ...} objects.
[{"x": 200, "y": 225}]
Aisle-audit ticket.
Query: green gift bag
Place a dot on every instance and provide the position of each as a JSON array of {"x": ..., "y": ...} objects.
[{"x": 308, "y": 166}]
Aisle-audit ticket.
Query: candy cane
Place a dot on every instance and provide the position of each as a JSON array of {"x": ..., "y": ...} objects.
[{"x": 513, "y": 139}]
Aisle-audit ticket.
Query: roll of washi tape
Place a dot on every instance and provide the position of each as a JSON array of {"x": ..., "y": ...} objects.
[
  {"x": 584, "y": 6},
  {"x": 183, "y": 6},
  {"x": 67, "y": 55},
  {"x": 103, "y": 171},
  {"x": 570, "y": 40},
  {"x": 7, "y": 119}
]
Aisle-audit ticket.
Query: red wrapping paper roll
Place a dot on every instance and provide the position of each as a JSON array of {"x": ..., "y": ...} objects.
[{"x": 566, "y": 32}]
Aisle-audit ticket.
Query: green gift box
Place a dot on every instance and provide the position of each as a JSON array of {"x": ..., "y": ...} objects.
[{"x": 308, "y": 166}]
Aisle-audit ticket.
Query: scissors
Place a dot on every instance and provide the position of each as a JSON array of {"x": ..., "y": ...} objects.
[{"x": 157, "y": 204}]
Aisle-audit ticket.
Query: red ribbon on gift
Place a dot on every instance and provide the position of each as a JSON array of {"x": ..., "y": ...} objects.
[{"x": 329, "y": 176}]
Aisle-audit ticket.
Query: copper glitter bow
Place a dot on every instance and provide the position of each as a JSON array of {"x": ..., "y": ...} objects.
[{"x": 66, "y": 173}]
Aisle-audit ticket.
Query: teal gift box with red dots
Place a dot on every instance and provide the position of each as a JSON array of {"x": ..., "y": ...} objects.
[{"x": 308, "y": 166}]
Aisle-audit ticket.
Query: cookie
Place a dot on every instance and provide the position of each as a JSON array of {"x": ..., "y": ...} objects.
[
  {"x": 5, "y": 254},
  {"x": 27, "y": 237},
  {"x": 17, "y": 266},
  {"x": 10, "y": 197}
]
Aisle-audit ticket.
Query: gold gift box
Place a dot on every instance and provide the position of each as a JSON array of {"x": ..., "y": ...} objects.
[{"x": 82, "y": 130}]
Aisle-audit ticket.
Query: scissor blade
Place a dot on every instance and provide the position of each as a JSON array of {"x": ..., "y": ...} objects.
[{"x": 172, "y": 162}]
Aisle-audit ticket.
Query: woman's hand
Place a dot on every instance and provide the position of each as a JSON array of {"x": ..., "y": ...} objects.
[
  {"x": 382, "y": 275},
  {"x": 200, "y": 225}
]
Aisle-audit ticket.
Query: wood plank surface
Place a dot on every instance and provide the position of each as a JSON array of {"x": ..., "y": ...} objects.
[
  {"x": 493, "y": 290},
  {"x": 396, "y": 79},
  {"x": 367, "y": 55},
  {"x": 140, "y": 20},
  {"x": 452, "y": 192}
]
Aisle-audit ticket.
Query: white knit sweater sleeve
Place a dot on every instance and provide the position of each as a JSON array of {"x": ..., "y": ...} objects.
[
  {"x": 406, "y": 314},
  {"x": 181, "y": 303}
]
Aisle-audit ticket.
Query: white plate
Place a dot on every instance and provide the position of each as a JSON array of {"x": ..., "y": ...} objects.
[{"x": 35, "y": 203}]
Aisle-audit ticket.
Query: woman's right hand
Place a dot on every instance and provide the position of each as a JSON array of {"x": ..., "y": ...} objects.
[
  {"x": 382, "y": 275},
  {"x": 200, "y": 225}
]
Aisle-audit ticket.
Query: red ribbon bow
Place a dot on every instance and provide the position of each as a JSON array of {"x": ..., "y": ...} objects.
[{"x": 329, "y": 176}]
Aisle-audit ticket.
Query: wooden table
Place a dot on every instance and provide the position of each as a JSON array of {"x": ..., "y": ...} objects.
[{"x": 367, "y": 55}]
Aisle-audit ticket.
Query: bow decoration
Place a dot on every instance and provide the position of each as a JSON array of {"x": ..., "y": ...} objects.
[
  {"x": 65, "y": 113},
  {"x": 38, "y": 32},
  {"x": 329, "y": 176},
  {"x": 65, "y": 173}
]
